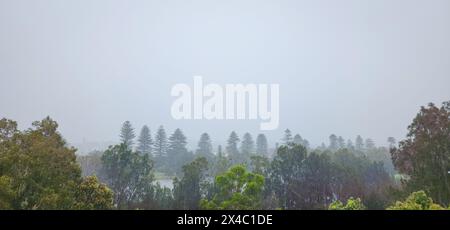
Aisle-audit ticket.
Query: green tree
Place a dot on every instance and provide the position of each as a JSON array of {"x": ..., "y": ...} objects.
[
  {"x": 160, "y": 199},
  {"x": 177, "y": 153},
  {"x": 127, "y": 134},
  {"x": 352, "y": 204},
  {"x": 261, "y": 145},
  {"x": 286, "y": 167},
  {"x": 145, "y": 141},
  {"x": 359, "y": 143},
  {"x": 334, "y": 142},
  {"x": 37, "y": 169},
  {"x": 161, "y": 142},
  {"x": 160, "y": 148},
  {"x": 358, "y": 176},
  {"x": 221, "y": 163},
  {"x": 236, "y": 189},
  {"x": 232, "y": 147},
  {"x": 188, "y": 190},
  {"x": 298, "y": 140},
  {"x": 416, "y": 201},
  {"x": 93, "y": 195},
  {"x": 287, "y": 138},
  {"x": 205, "y": 147},
  {"x": 128, "y": 174},
  {"x": 260, "y": 164},
  {"x": 247, "y": 145},
  {"x": 341, "y": 142},
  {"x": 369, "y": 143},
  {"x": 350, "y": 145},
  {"x": 424, "y": 156},
  {"x": 7, "y": 193}
]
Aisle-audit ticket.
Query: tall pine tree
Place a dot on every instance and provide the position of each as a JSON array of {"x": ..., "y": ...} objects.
[
  {"x": 160, "y": 142},
  {"x": 145, "y": 141},
  {"x": 247, "y": 145},
  {"x": 232, "y": 145},
  {"x": 261, "y": 145},
  {"x": 127, "y": 134},
  {"x": 205, "y": 147},
  {"x": 287, "y": 138},
  {"x": 334, "y": 143},
  {"x": 359, "y": 143},
  {"x": 177, "y": 153}
]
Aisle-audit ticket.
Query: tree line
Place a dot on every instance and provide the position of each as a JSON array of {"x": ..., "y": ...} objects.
[{"x": 39, "y": 171}]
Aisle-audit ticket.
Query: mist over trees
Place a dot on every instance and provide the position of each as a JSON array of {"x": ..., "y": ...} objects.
[{"x": 39, "y": 171}]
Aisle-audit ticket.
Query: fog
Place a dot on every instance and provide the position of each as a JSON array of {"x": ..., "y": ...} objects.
[{"x": 349, "y": 67}]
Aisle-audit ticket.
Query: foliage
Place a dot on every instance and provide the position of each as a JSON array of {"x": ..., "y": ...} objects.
[
  {"x": 247, "y": 145},
  {"x": 260, "y": 165},
  {"x": 93, "y": 195},
  {"x": 352, "y": 204},
  {"x": 7, "y": 193},
  {"x": 285, "y": 167},
  {"x": 145, "y": 141},
  {"x": 261, "y": 145},
  {"x": 129, "y": 175},
  {"x": 91, "y": 164},
  {"x": 205, "y": 148},
  {"x": 358, "y": 176},
  {"x": 425, "y": 155},
  {"x": 287, "y": 138},
  {"x": 187, "y": 191},
  {"x": 160, "y": 145},
  {"x": 416, "y": 201},
  {"x": 127, "y": 134},
  {"x": 38, "y": 170},
  {"x": 236, "y": 189},
  {"x": 232, "y": 148},
  {"x": 177, "y": 154}
]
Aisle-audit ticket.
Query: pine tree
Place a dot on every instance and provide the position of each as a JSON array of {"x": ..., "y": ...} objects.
[
  {"x": 177, "y": 153},
  {"x": 359, "y": 145},
  {"x": 261, "y": 145},
  {"x": 219, "y": 151},
  {"x": 341, "y": 142},
  {"x": 370, "y": 144},
  {"x": 298, "y": 140},
  {"x": 305, "y": 143},
  {"x": 334, "y": 145},
  {"x": 205, "y": 147},
  {"x": 232, "y": 145},
  {"x": 127, "y": 134},
  {"x": 350, "y": 144},
  {"x": 287, "y": 139},
  {"x": 177, "y": 141},
  {"x": 145, "y": 141},
  {"x": 247, "y": 145},
  {"x": 160, "y": 142}
]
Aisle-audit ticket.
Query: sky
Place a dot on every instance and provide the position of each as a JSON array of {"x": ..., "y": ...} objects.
[{"x": 348, "y": 67}]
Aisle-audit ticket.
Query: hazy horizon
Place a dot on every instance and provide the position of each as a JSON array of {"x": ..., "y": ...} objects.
[{"x": 350, "y": 67}]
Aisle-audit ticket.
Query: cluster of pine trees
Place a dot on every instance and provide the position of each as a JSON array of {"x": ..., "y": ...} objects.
[{"x": 295, "y": 176}]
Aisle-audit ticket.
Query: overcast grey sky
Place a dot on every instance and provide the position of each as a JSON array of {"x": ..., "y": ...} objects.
[{"x": 347, "y": 67}]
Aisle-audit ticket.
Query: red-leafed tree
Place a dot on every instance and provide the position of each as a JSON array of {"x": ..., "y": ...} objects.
[{"x": 424, "y": 156}]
